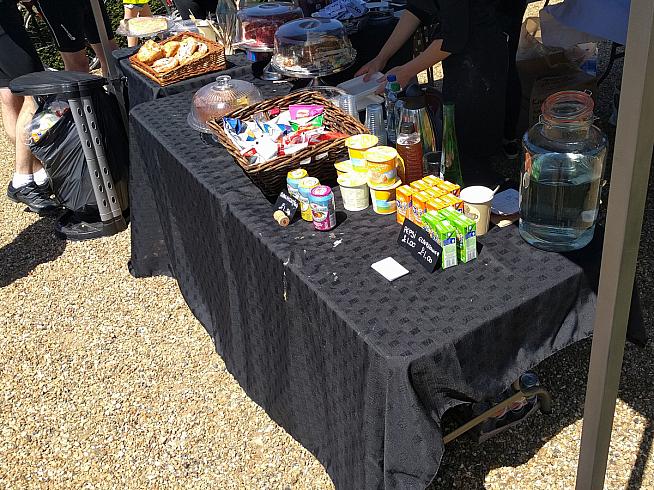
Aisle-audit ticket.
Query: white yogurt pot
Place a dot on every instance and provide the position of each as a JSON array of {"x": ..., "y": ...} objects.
[{"x": 354, "y": 190}]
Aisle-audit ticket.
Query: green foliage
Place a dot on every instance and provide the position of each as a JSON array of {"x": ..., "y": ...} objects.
[{"x": 43, "y": 42}]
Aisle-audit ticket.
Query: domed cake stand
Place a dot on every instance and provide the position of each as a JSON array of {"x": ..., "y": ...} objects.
[
  {"x": 261, "y": 54},
  {"x": 316, "y": 78}
]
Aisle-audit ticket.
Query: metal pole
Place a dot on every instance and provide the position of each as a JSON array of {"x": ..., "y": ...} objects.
[
  {"x": 113, "y": 74},
  {"x": 629, "y": 178}
]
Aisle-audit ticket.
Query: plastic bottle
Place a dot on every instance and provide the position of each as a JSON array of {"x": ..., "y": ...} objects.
[
  {"x": 390, "y": 97},
  {"x": 450, "y": 163},
  {"x": 409, "y": 148}
]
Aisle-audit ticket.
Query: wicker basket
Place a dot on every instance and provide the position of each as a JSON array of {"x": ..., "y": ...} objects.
[
  {"x": 214, "y": 60},
  {"x": 318, "y": 160}
]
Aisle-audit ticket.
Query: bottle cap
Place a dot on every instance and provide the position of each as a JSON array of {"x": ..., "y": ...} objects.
[
  {"x": 391, "y": 78},
  {"x": 407, "y": 127}
]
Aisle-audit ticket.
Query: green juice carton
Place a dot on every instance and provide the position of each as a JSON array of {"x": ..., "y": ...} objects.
[
  {"x": 466, "y": 234},
  {"x": 445, "y": 235}
]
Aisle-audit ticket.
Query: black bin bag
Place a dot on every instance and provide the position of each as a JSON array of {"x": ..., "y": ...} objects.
[{"x": 60, "y": 151}]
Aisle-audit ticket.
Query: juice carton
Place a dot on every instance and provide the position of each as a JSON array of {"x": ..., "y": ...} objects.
[
  {"x": 466, "y": 234},
  {"x": 403, "y": 196},
  {"x": 429, "y": 220},
  {"x": 450, "y": 188},
  {"x": 418, "y": 206},
  {"x": 445, "y": 235},
  {"x": 433, "y": 181},
  {"x": 420, "y": 185},
  {"x": 453, "y": 201},
  {"x": 436, "y": 204},
  {"x": 437, "y": 192}
]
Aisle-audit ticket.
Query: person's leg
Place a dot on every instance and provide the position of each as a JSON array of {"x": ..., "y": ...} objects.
[
  {"x": 92, "y": 35},
  {"x": 11, "y": 105},
  {"x": 511, "y": 17},
  {"x": 132, "y": 11}
]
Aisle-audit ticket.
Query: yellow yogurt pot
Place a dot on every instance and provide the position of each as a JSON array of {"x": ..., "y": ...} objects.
[
  {"x": 357, "y": 146},
  {"x": 382, "y": 165},
  {"x": 343, "y": 168},
  {"x": 383, "y": 197}
]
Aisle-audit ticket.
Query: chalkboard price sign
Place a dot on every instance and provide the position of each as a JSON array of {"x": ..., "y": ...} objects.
[
  {"x": 285, "y": 208},
  {"x": 423, "y": 248}
]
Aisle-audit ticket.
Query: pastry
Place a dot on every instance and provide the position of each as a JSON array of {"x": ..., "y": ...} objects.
[
  {"x": 164, "y": 65},
  {"x": 170, "y": 48},
  {"x": 150, "y": 52},
  {"x": 187, "y": 47},
  {"x": 202, "y": 49}
]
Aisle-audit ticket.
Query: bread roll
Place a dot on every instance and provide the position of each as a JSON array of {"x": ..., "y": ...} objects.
[
  {"x": 170, "y": 48},
  {"x": 165, "y": 65},
  {"x": 150, "y": 52}
]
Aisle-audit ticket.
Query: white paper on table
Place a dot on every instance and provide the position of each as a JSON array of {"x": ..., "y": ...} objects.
[
  {"x": 506, "y": 202},
  {"x": 390, "y": 268}
]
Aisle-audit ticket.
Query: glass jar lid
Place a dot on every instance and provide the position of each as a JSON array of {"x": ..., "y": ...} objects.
[
  {"x": 221, "y": 97},
  {"x": 570, "y": 107}
]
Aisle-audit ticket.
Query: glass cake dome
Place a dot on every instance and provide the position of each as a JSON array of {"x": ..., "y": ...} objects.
[
  {"x": 312, "y": 47},
  {"x": 221, "y": 97},
  {"x": 260, "y": 22}
]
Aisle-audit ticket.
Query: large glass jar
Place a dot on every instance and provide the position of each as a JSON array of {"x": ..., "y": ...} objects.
[{"x": 563, "y": 165}]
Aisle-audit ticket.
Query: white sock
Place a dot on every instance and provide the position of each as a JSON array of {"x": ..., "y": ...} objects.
[
  {"x": 40, "y": 177},
  {"x": 21, "y": 180}
]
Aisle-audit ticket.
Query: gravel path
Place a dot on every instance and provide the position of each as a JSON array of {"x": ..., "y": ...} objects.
[{"x": 109, "y": 382}]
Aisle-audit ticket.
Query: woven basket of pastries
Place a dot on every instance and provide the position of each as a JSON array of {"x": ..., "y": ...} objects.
[{"x": 179, "y": 57}]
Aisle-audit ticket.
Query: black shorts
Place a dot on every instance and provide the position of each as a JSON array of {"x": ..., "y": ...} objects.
[
  {"x": 17, "y": 54},
  {"x": 71, "y": 23},
  {"x": 199, "y": 8}
]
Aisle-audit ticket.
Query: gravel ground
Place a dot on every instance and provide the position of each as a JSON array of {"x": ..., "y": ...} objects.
[{"x": 110, "y": 382}]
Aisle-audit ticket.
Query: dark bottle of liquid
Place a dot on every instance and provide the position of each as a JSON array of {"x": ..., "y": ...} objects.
[
  {"x": 450, "y": 163},
  {"x": 409, "y": 147}
]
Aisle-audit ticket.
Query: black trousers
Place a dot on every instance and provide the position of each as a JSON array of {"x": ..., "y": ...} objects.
[
  {"x": 510, "y": 15},
  {"x": 199, "y": 8}
]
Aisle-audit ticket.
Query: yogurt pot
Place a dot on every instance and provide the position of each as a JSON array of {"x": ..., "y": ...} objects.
[
  {"x": 383, "y": 197},
  {"x": 306, "y": 184},
  {"x": 382, "y": 162},
  {"x": 293, "y": 179},
  {"x": 343, "y": 168},
  {"x": 354, "y": 190},
  {"x": 357, "y": 146}
]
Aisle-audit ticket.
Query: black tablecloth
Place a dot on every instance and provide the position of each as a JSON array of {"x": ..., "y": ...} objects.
[
  {"x": 357, "y": 369},
  {"x": 142, "y": 89}
]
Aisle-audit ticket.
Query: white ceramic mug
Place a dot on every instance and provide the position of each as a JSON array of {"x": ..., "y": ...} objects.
[{"x": 477, "y": 205}]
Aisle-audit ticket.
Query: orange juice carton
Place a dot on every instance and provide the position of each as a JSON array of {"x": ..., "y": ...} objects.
[
  {"x": 419, "y": 206},
  {"x": 403, "y": 196},
  {"x": 453, "y": 201},
  {"x": 433, "y": 181},
  {"x": 436, "y": 204},
  {"x": 420, "y": 185},
  {"x": 450, "y": 188}
]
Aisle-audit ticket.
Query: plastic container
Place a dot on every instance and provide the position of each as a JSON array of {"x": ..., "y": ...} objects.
[
  {"x": 357, "y": 146},
  {"x": 354, "y": 191},
  {"x": 323, "y": 208},
  {"x": 260, "y": 22},
  {"x": 221, "y": 97},
  {"x": 563, "y": 165},
  {"x": 382, "y": 164},
  {"x": 363, "y": 92},
  {"x": 343, "y": 168},
  {"x": 383, "y": 197},
  {"x": 312, "y": 47}
]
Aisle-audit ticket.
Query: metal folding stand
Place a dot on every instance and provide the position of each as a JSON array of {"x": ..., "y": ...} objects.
[
  {"x": 544, "y": 402},
  {"x": 78, "y": 89}
]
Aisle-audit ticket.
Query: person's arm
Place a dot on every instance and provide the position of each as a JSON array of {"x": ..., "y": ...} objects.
[
  {"x": 429, "y": 57},
  {"x": 404, "y": 29}
]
